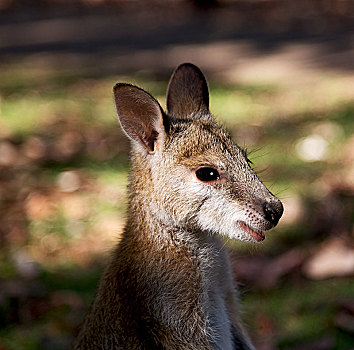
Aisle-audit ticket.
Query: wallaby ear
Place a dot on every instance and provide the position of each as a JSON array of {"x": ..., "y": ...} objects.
[
  {"x": 139, "y": 114},
  {"x": 187, "y": 92}
]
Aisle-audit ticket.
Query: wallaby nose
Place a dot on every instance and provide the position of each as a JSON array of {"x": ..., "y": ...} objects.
[{"x": 272, "y": 212}]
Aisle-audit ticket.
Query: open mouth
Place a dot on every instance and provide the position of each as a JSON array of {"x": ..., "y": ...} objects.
[{"x": 255, "y": 234}]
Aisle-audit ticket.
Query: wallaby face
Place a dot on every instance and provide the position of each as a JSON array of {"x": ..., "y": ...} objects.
[
  {"x": 203, "y": 179},
  {"x": 169, "y": 284}
]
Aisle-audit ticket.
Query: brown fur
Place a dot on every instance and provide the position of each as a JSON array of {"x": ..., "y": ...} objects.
[{"x": 169, "y": 283}]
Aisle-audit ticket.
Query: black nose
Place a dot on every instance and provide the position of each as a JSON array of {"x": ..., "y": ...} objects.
[{"x": 271, "y": 213}]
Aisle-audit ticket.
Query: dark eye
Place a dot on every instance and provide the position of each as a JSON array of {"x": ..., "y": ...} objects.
[{"x": 207, "y": 174}]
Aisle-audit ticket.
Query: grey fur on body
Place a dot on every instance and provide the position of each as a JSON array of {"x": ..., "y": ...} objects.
[{"x": 169, "y": 284}]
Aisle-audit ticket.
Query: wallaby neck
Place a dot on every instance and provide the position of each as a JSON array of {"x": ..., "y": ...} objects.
[{"x": 147, "y": 215}]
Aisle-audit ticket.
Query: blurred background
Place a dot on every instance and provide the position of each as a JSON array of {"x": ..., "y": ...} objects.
[{"x": 281, "y": 75}]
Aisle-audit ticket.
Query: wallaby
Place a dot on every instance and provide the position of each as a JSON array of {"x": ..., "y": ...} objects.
[{"x": 169, "y": 284}]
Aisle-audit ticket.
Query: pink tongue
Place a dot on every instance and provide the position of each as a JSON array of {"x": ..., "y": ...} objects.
[{"x": 257, "y": 235}]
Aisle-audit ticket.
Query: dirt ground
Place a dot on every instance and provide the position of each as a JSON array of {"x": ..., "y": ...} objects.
[{"x": 237, "y": 40}]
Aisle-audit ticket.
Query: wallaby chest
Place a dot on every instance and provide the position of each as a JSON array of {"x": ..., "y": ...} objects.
[{"x": 186, "y": 285}]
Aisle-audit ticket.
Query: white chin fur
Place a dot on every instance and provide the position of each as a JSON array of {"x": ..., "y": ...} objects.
[{"x": 224, "y": 220}]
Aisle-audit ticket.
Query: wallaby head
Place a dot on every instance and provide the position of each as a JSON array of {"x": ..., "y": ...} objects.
[{"x": 187, "y": 168}]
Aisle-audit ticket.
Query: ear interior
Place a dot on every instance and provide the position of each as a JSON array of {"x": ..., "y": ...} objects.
[
  {"x": 139, "y": 114},
  {"x": 187, "y": 92}
]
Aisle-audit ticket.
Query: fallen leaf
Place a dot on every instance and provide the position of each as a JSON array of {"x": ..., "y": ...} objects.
[{"x": 333, "y": 259}]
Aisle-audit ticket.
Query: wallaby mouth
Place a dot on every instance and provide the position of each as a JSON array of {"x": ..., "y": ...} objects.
[{"x": 255, "y": 234}]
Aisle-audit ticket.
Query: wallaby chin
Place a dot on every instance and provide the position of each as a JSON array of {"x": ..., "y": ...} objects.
[{"x": 169, "y": 284}]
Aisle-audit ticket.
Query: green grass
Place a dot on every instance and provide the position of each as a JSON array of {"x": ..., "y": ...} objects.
[
  {"x": 301, "y": 313},
  {"x": 20, "y": 339}
]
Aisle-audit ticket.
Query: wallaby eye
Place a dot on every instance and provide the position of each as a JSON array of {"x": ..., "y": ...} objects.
[{"x": 207, "y": 174}]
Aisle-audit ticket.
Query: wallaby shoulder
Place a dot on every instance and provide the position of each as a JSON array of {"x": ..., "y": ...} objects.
[{"x": 158, "y": 299}]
